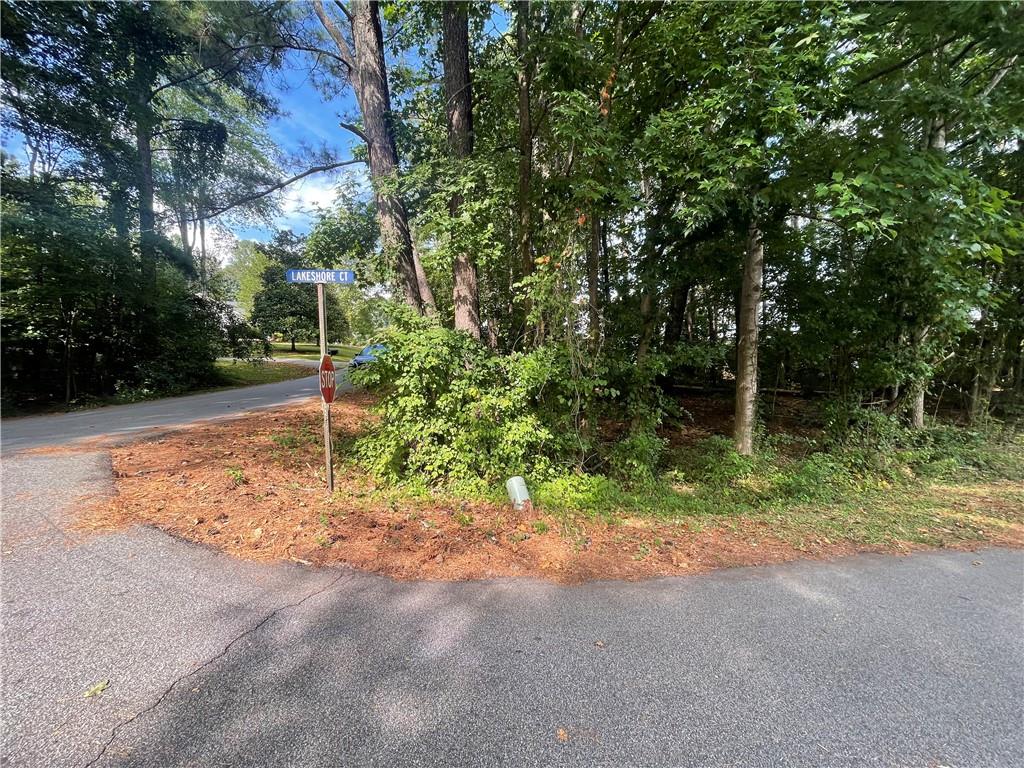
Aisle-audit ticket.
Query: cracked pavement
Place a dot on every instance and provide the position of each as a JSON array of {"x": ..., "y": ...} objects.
[{"x": 866, "y": 661}]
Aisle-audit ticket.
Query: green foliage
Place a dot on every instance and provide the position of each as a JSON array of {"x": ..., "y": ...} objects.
[
  {"x": 244, "y": 273},
  {"x": 635, "y": 458},
  {"x": 243, "y": 341},
  {"x": 711, "y": 481},
  {"x": 452, "y": 410},
  {"x": 98, "y": 302},
  {"x": 290, "y": 309},
  {"x": 876, "y": 147},
  {"x": 80, "y": 317},
  {"x": 871, "y": 443}
]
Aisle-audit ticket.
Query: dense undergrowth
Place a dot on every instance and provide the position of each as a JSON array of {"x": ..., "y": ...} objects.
[{"x": 457, "y": 420}]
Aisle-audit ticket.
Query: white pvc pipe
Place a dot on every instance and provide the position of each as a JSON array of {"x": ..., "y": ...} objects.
[{"x": 517, "y": 492}]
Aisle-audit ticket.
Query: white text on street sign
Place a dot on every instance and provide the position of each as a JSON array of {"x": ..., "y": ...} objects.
[{"x": 340, "y": 276}]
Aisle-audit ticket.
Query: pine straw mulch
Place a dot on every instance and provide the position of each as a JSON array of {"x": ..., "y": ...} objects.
[{"x": 253, "y": 487}]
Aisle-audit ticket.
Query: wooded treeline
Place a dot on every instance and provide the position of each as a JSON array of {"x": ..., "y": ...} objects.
[
  {"x": 819, "y": 197},
  {"x": 601, "y": 201},
  {"x": 144, "y": 126}
]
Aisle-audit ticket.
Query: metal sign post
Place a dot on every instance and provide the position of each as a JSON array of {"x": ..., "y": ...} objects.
[
  {"x": 326, "y": 363},
  {"x": 328, "y": 376}
]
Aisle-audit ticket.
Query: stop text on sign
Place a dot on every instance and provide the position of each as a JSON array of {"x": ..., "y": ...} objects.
[
  {"x": 340, "y": 276},
  {"x": 328, "y": 379}
]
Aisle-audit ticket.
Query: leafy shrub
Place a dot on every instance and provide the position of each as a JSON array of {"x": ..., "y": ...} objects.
[
  {"x": 634, "y": 458},
  {"x": 714, "y": 461},
  {"x": 698, "y": 359},
  {"x": 243, "y": 341},
  {"x": 873, "y": 444},
  {"x": 453, "y": 411},
  {"x": 819, "y": 477},
  {"x": 850, "y": 424},
  {"x": 574, "y": 491}
]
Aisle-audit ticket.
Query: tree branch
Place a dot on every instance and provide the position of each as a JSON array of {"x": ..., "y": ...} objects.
[
  {"x": 335, "y": 33},
  {"x": 998, "y": 76},
  {"x": 908, "y": 61},
  {"x": 356, "y": 130},
  {"x": 279, "y": 185},
  {"x": 321, "y": 51},
  {"x": 1000, "y": 73},
  {"x": 345, "y": 10},
  {"x": 178, "y": 81}
]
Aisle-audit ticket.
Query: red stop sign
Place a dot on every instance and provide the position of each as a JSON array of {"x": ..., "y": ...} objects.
[{"x": 328, "y": 380}]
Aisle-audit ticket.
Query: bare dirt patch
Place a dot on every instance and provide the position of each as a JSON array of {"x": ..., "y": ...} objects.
[{"x": 253, "y": 487}]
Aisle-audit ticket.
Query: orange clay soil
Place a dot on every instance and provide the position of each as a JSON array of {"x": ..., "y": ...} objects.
[{"x": 254, "y": 488}]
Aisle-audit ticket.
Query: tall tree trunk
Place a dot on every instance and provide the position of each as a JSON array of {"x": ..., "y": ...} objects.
[
  {"x": 691, "y": 317},
  {"x": 917, "y": 407},
  {"x": 459, "y": 100},
  {"x": 594, "y": 283},
  {"x": 202, "y": 255},
  {"x": 524, "y": 78},
  {"x": 426, "y": 293},
  {"x": 648, "y": 300},
  {"x": 647, "y": 315},
  {"x": 594, "y": 248},
  {"x": 186, "y": 246},
  {"x": 143, "y": 85},
  {"x": 67, "y": 371},
  {"x": 677, "y": 314},
  {"x": 1016, "y": 402},
  {"x": 974, "y": 401},
  {"x": 937, "y": 142},
  {"x": 369, "y": 75},
  {"x": 746, "y": 353},
  {"x": 119, "y": 208},
  {"x": 606, "y": 282}
]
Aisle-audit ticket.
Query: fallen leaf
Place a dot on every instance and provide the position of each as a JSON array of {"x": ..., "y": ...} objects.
[
  {"x": 97, "y": 689},
  {"x": 562, "y": 735}
]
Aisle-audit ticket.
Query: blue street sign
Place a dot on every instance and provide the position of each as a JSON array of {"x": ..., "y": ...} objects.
[{"x": 340, "y": 276}]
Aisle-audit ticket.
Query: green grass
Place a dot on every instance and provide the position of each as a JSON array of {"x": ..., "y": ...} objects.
[
  {"x": 936, "y": 494},
  {"x": 312, "y": 351},
  {"x": 939, "y": 493},
  {"x": 232, "y": 374},
  {"x": 229, "y": 375}
]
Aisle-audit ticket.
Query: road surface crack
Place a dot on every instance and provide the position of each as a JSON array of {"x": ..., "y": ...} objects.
[{"x": 220, "y": 655}]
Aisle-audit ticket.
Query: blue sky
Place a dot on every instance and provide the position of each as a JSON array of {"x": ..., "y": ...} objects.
[{"x": 309, "y": 120}]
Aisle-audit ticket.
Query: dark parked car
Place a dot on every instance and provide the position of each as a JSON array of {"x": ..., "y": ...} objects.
[{"x": 368, "y": 355}]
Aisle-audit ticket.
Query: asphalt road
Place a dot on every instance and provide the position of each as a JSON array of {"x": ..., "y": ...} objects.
[
  {"x": 119, "y": 421},
  {"x": 867, "y": 661}
]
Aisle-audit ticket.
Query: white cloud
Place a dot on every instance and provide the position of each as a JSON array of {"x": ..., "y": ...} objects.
[
  {"x": 301, "y": 200},
  {"x": 220, "y": 243},
  {"x": 308, "y": 194}
]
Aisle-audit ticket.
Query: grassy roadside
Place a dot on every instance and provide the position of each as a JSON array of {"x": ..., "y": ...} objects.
[
  {"x": 312, "y": 351},
  {"x": 235, "y": 373},
  {"x": 254, "y": 488},
  {"x": 229, "y": 375}
]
